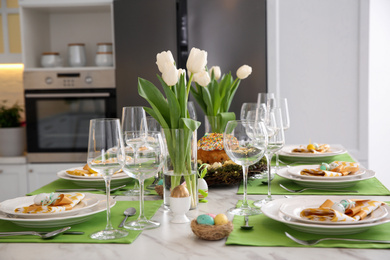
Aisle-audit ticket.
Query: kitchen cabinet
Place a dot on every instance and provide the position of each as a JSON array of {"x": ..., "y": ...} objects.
[
  {"x": 10, "y": 39},
  {"x": 49, "y": 26},
  {"x": 39, "y": 174},
  {"x": 13, "y": 181}
]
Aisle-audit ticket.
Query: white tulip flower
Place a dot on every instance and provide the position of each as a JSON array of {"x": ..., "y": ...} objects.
[
  {"x": 217, "y": 72},
  {"x": 202, "y": 78},
  {"x": 170, "y": 75},
  {"x": 197, "y": 60},
  {"x": 182, "y": 72},
  {"x": 244, "y": 71},
  {"x": 163, "y": 59}
]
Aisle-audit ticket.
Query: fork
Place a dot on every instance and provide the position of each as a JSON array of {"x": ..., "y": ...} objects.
[
  {"x": 316, "y": 241},
  {"x": 301, "y": 190}
]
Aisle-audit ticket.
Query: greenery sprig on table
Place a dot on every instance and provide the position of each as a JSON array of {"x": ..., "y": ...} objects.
[{"x": 10, "y": 116}]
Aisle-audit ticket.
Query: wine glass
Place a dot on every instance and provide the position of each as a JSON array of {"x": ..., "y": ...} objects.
[
  {"x": 149, "y": 160},
  {"x": 245, "y": 142},
  {"x": 105, "y": 146},
  {"x": 275, "y": 131},
  {"x": 191, "y": 110},
  {"x": 154, "y": 127},
  {"x": 134, "y": 127},
  {"x": 286, "y": 125}
]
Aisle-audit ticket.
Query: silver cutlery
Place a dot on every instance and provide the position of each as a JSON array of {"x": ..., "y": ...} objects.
[
  {"x": 34, "y": 233},
  {"x": 128, "y": 212},
  {"x": 66, "y": 233},
  {"x": 89, "y": 189},
  {"x": 321, "y": 189},
  {"x": 316, "y": 241}
]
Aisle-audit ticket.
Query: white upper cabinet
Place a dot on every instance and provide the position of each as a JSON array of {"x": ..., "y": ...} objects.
[
  {"x": 10, "y": 43},
  {"x": 49, "y": 26}
]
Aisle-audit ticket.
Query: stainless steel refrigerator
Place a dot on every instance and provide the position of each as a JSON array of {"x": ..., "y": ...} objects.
[{"x": 233, "y": 32}]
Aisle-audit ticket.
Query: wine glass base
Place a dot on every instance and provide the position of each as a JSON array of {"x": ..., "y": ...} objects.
[
  {"x": 141, "y": 224},
  {"x": 135, "y": 192},
  {"x": 109, "y": 234},
  {"x": 262, "y": 202},
  {"x": 244, "y": 211}
]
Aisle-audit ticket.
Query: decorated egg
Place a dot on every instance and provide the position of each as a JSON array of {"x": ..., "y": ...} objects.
[
  {"x": 211, "y": 215},
  {"x": 316, "y": 146},
  {"x": 160, "y": 182},
  {"x": 221, "y": 219},
  {"x": 339, "y": 207},
  {"x": 205, "y": 219},
  {"x": 202, "y": 185},
  {"x": 311, "y": 147},
  {"x": 180, "y": 191},
  {"x": 324, "y": 166}
]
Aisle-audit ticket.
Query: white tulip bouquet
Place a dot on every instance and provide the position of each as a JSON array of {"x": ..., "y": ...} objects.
[{"x": 215, "y": 94}]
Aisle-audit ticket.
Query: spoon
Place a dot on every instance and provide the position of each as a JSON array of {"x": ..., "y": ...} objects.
[
  {"x": 247, "y": 227},
  {"x": 128, "y": 212}
]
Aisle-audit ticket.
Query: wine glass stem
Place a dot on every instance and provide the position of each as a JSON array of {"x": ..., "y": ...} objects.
[
  {"x": 277, "y": 161},
  {"x": 269, "y": 158},
  {"x": 141, "y": 200},
  {"x": 107, "y": 180},
  {"x": 245, "y": 186}
]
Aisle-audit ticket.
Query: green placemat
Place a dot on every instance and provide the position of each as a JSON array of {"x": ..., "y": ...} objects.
[
  {"x": 98, "y": 222},
  {"x": 269, "y": 233},
  {"x": 367, "y": 187},
  {"x": 66, "y": 184}
]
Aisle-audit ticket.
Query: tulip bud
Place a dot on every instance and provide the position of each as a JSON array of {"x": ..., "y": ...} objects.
[
  {"x": 182, "y": 72},
  {"x": 170, "y": 74},
  {"x": 244, "y": 71},
  {"x": 202, "y": 78},
  {"x": 197, "y": 60},
  {"x": 217, "y": 72},
  {"x": 164, "y": 58}
]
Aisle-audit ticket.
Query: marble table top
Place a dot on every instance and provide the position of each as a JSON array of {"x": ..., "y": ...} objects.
[{"x": 176, "y": 241}]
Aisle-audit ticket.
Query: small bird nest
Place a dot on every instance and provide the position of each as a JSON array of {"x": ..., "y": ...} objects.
[
  {"x": 160, "y": 190},
  {"x": 211, "y": 232}
]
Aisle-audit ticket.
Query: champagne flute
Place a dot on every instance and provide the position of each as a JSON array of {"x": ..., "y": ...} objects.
[
  {"x": 134, "y": 124},
  {"x": 149, "y": 160},
  {"x": 105, "y": 146},
  {"x": 275, "y": 131},
  {"x": 245, "y": 142}
]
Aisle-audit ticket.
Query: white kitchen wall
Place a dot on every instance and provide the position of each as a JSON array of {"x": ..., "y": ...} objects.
[{"x": 319, "y": 59}]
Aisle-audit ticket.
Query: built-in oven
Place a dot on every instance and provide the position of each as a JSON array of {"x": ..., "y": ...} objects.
[{"x": 59, "y": 106}]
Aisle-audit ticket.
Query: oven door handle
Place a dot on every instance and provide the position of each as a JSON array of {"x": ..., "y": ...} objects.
[{"x": 66, "y": 95}]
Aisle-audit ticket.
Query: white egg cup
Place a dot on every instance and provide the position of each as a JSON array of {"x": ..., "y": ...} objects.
[{"x": 179, "y": 208}]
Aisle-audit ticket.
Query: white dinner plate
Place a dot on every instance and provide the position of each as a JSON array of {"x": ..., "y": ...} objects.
[
  {"x": 95, "y": 183},
  {"x": 9, "y": 206},
  {"x": 117, "y": 175},
  {"x": 296, "y": 171},
  {"x": 79, "y": 217},
  {"x": 294, "y": 207},
  {"x": 271, "y": 210},
  {"x": 339, "y": 183},
  {"x": 287, "y": 151}
]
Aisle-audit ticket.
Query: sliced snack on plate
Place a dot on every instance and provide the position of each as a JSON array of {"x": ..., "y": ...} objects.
[
  {"x": 312, "y": 148},
  {"x": 86, "y": 171},
  {"x": 334, "y": 169},
  {"x": 351, "y": 210},
  {"x": 52, "y": 203}
]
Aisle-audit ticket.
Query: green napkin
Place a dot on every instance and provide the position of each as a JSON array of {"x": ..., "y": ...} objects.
[
  {"x": 98, "y": 222},
  {"x": 269, "y": 233},
  {"x": 367, "y": 187},
  {"x": 67, "y": 184}
]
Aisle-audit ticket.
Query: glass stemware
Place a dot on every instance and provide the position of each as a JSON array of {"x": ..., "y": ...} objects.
[
  {"x": 245, "y": 142},
  {"x": 149, "y": 160},
  {"x": 191, "y": 110},
  {"x": 275, "y": 131},
  {"x": 105, "y": 146},
  {"x": 134, "y": 125},
  {"x": 286, "y": 125}
]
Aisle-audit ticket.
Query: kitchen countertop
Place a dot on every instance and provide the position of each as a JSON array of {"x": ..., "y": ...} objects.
[
  {"x": 176, "y": 241},
  {"x": 13, "y": 160}
]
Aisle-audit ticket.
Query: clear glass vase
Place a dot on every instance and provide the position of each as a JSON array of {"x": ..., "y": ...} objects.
[
  {"x": 181, "y": 164},
  {"x": 212, "y": 124}
]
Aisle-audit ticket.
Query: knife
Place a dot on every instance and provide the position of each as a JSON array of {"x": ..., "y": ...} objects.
[{"x": 66, "y": 233}]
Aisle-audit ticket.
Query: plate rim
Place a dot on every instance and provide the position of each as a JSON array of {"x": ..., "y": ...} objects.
[
  {"x": 362, "y": 169},
  {"x": 90, "y": 177},
  {"x": 293, "y": 216},
  {"x": 50, "y": 215},
  {"x": 314, "y": 155}
]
